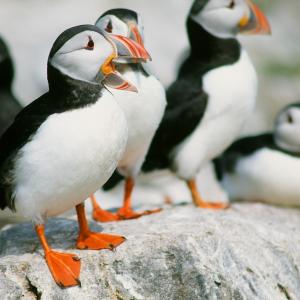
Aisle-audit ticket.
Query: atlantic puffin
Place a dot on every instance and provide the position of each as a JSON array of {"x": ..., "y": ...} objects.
[
  {"x": 9, "y": 105},
  {"x": 66, "y": 143},
  {"x": 214, "y": 93},
  {"x": 266, "y": 167},
  {"x": 143, "y": 110}
]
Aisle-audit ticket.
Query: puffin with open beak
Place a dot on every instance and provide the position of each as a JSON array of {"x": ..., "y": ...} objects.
[
  {"x": 66, "y": 143},
  {"x": 9, "y": 105},
  {"x": 143, "y": 109},
  {"x": 266, "y": 167},
  {"x": 214, "y": 94}
]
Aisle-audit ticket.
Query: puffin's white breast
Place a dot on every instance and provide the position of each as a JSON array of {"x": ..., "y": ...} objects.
[
  {"x": 144, "y": 111},
  {"x": 267, "y": 175},
  {"x": 232, "y": 94},
  {"x": 71, "y": 156}
]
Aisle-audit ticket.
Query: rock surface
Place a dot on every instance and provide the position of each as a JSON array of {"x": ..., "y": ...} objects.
[{"x": 251, "y": 251}]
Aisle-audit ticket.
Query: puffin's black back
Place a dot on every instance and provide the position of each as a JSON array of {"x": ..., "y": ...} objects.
[{"x": 9, "y": 106}]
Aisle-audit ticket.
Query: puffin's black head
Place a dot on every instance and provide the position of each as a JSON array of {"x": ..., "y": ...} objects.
[
  {"x": 6, "y": 67},
  {"x": 226, "y": 18},
  {"x": 85, "y": 53},
  {"x": 122, "y": 22},
  {"x": 287, "y": 128}
]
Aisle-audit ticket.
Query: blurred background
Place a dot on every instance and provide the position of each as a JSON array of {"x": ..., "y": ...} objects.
[{"x": 31, "y": 26}]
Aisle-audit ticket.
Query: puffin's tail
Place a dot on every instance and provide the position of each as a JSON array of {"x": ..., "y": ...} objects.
[{"x": 113, "y": 181}]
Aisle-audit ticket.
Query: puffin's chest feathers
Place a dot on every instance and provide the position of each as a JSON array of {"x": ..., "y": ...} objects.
[
  {"x": 231, "y": 91},
  {"x": 144, "y": 109},
  {"x": 78, "y": 148}
]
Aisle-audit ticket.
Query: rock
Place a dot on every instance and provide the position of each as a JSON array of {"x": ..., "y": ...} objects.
[{"x": 251, "y": 251}]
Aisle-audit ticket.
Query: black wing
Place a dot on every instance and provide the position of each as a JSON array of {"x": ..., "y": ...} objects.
[
  {"x": 186, "y": 106},
  {"x": 115, "y": 178},
  {"x": 10, "y": 107},
  {"x": 242, "y": 148},
  {"x": 25, "y": 125}
]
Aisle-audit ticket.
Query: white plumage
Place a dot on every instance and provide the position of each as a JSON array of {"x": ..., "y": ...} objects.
[
  {"x": 144, "y": 111},
  {"x": 70, "y": 156},
  {"x": 232, "y": 92},
  {"x": 267, "y": 175}
]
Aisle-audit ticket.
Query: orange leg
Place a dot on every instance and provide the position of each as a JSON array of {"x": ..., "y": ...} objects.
[
  {"x": 126, "y": 212},
  {"x": 64, "y": 267},
  {"x": 198, "y": 201},
  {"x": 101, "y": 215},
  {"x": 92, "y": 240}
]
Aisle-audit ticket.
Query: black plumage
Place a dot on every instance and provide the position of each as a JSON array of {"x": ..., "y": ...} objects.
[
  {"x": 9, "y": 106},
  {"x": 187, "y": 101}
]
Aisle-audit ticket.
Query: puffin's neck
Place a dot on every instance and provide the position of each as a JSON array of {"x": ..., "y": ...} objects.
[
  {"x": 138, "y": 69},
  {"x": 209, "y": 49},
  {"x": 72, "y": 92},
  {"x": 6, "y": 74}
]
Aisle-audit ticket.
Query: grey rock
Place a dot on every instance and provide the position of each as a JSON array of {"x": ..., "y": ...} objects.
[{"x": 251, "y": 251}]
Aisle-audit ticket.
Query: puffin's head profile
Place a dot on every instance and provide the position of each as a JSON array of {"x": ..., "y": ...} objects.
[
  {"x": 123, "y": 22},
  {"x": 87, "y": 54},
  {"x": 287, "y": 128},
  {"x": 227, "y": 18}
]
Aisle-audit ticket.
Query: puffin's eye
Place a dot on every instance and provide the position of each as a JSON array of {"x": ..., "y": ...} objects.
[
  {"x": 90, "y": 45},
  {"x": 109, "y": 27},
  {"x": 290, "y": 118},
  {"x": 231, "y": 4}
]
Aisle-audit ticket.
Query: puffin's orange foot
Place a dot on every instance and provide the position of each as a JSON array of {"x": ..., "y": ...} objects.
[
  {"x": 101, "y": 215},
  {"x": 97, "y": 241},
  {"x": 127, "y": 214},
  {"x": 65, "y": 268},
  {"x": 214, "y": 205}
]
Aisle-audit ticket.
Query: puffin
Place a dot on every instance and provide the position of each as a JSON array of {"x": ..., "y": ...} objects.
[
  {"x": 68, "y": 141},
  {"x": 10, "y": 106},
  {"x": 213, "y": 95},
  {"x": 266, "y": 167},
  {"x": 143, "y": 115}
]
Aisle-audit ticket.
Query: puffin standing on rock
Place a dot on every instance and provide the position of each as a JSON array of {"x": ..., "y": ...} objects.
[
  {"x": 266, "y": 167},
  {"x": 9, "y": 106},
  {"x": 214, "y": 94},
  {"x": 143, "y": 115},
  {"x": 68, "y": 141}
]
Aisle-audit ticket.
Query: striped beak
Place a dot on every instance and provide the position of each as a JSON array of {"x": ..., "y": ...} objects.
[
  {"x": 256, "y": 22},
  {"x": 125, "y": 50},
  {"x": 128, "y": 50},
  {"x": 135, "y": 35}
]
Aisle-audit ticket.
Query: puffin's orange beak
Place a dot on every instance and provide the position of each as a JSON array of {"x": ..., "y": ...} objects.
[
  {"x": 256, "y": 22},
  {"x": 126, "y": 50}
]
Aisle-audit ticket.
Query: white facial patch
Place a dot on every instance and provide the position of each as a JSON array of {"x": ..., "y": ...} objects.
[
  {"x": 221, "y": 19},
  {"x": 118, "y": 27},
  {"x": 287, "y": 130},
  {"x": 74, "y": 60}
]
